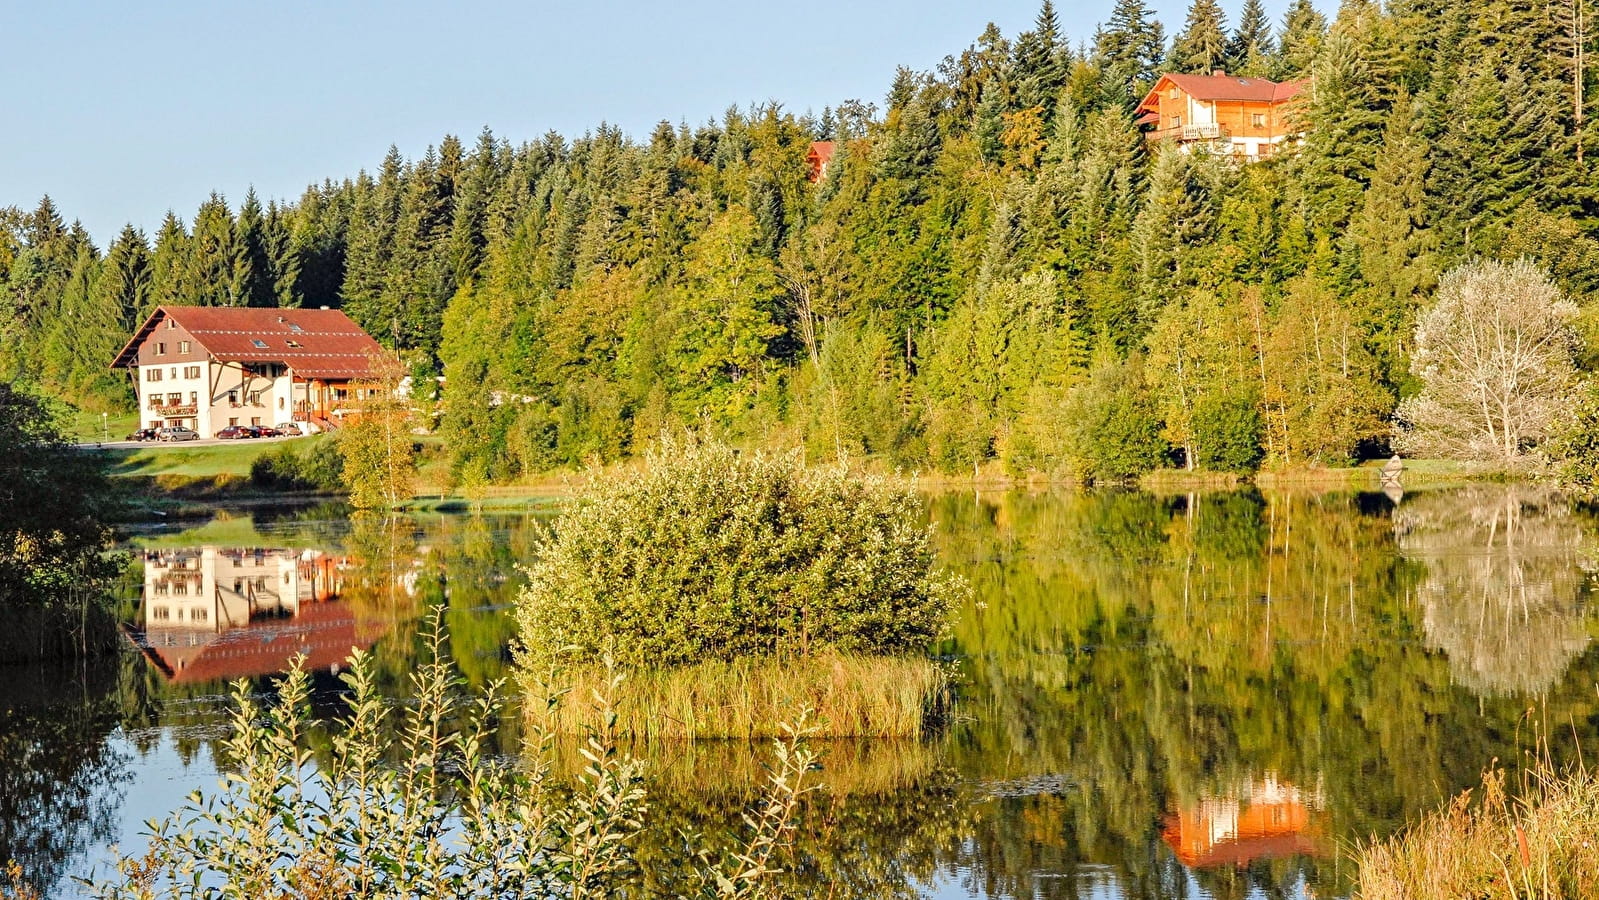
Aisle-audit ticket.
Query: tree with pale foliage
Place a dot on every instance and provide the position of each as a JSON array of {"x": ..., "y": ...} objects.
[
  {"x": 379, "y": 455},
  {"x": 1495, "y": 355}
]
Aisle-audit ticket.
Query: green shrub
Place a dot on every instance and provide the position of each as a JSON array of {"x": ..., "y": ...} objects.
[
  {"x": 709, "y": 554},
  {"x": 1227, "y": 434},
  {"x": 317, "y": 467}
]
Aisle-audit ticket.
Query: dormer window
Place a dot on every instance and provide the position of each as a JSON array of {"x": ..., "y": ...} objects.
[
  {"x": 294, "y": 344},
  {"x": 295, "y": 328},
  {"x": 259, "y": 344}
]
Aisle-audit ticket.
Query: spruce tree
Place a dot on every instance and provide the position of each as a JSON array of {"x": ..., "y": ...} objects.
[
  {"x": 167, "y": 261},
  {"x": 283, "y": 256},
  {"x": 1130, "y": 45},
  {"x": 1202, "y": 46},
  {"x": 208, "y": 271},
  {"x": 1304, "y": 28},
  {"x": 251, "y": 282},
  {"x": 1250, "y": 50}
]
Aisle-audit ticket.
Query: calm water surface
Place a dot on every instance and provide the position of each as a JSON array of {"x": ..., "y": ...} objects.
[{"x": 1180, "y": 696}]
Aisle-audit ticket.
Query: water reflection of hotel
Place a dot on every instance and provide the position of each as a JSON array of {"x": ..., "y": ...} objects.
[
  {"x": 214, "y": 613},
  {"x": 1265, "y": 819}
]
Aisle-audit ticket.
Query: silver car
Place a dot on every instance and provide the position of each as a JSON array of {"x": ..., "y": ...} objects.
[{"x": 177, "y": 433}]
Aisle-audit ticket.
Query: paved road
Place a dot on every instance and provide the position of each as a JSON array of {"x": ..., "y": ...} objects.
[{"x": 202, "y": 442}]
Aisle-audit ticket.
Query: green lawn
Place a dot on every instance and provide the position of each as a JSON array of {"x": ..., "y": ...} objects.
[
  {"x": 85, "y": 427},
  {"x": 196, "y": 461}
]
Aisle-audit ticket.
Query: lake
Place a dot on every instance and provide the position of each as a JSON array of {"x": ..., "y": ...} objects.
[{"x": 1204, "y": 695}]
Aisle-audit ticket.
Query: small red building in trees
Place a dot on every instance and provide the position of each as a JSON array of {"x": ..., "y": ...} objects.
[{"x": 816, "y": 160}]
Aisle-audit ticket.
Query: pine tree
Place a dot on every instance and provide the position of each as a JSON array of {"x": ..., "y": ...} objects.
[
  {"x": 251, "y": 283},
  {"x": 1041, "y": 62},
  {"x": 1202, "y": 46},
  {"x": 1130, "y": 45},
  {"x": 1391, "y": 238},
  {"x": 282, "y": 257},
  {"x": 374, "y": 219},
  {"x": 207, "y": 278},
  {"x": 125, "y": 281},
  {"x": 167, "y": 261},
  {"x": 1251, "y": 48},
  {"x": 1304, "y": 29}
]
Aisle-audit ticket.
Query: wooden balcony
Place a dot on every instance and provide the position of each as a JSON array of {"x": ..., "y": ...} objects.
[{"x": 1185, "y": 133}]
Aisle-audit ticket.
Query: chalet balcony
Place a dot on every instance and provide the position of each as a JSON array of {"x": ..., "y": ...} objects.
[{"x": 1212, "y": 132}]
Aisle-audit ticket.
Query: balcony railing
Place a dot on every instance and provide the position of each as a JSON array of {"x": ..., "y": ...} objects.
[
  {"x": 1210, "y": 132},
  {"x": 186, "y": 409}
]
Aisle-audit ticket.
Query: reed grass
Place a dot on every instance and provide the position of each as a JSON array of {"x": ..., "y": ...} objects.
[
  {"x": 850, "y": 695},
  {"x": 1540, "y": 842}
]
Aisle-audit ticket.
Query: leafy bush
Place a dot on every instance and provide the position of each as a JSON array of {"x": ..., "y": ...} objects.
[
  {"x": 709, "y": 554},
  {"x": 449, "y": 819},
  {"x": 1227, "y": 434},
  {"x": 317, "y": 467}
]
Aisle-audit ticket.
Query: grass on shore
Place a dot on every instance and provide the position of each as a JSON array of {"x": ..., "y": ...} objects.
[
  {"x": 1542, "y": 844},
  {"x": 85, "y": 427},
  {"x": 198, "y": 461},
  {"x": 851, "y": 696}
]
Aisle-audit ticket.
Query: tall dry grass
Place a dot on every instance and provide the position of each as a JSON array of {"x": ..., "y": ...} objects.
[
  {"x": 850, "y": 695},
  {"x": 1538, "y": 843}
]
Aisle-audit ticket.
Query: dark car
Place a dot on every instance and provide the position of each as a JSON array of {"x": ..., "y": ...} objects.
[
  {"x": 266, "y": 431},
  {"x": 143, "y": 434},
  {"x": 234, "y": 432}
]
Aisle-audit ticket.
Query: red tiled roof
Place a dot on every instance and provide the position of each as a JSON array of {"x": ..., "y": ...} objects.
[
  {"x": 331, "y": 346},
  {"x": 1226, "y": 87},
  {"x": 822, "y": 150}
]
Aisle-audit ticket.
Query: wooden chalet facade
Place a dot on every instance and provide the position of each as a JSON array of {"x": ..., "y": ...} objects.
[
  {"x": 208, "y": 367},
  {"x": 1246, "y": 118}
]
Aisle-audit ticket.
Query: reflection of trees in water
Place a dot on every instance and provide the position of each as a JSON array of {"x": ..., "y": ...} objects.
[
  {"x": 1503, "y": 595},
  {"x": 1150, "y": 651},
  {"x": 61, "y": 779},
  {"x": 885, "y": 817}
]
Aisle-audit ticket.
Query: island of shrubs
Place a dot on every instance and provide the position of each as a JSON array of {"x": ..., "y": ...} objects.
[{"x": 731, "y": 589}]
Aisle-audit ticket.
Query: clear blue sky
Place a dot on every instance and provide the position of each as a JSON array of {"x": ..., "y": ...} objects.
[{"x": 123, "y": 110}]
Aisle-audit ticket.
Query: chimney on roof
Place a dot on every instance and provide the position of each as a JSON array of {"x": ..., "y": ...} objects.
[
  {"x": 281, "y": 320},
  {"x": 1219, "y": 73},
  {"x": 324, "y": 307}
]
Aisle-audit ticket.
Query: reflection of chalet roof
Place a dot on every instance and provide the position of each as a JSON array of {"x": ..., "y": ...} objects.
[
  {"x": 315, "y": 343},
  {"x": 324, "y": 632},
  {"x": 1270, "y": 830}
]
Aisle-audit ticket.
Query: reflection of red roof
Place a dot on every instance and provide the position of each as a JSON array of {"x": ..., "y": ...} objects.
[
  {"x": 330, "y": 345},
  {"x": 324, "y": 632},
  {"x": 1203, "y": 837}
]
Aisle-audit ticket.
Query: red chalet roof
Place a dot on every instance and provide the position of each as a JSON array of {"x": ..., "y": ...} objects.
[
  {"x": 330, "y": 346},
  {"x": 1225, "y": 87}
]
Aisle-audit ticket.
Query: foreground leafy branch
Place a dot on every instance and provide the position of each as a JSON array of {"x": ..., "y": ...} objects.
[{"x": 446, "y": 819}]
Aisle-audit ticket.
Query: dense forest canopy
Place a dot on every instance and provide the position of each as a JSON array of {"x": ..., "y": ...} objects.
[{"x": 997, "y": 265}]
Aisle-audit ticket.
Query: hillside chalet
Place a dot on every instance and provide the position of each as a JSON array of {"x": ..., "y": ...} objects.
[
  {"x": 207, "y": 367},
  {"x": 1244, "y": 117},
  {"x": 816, "y": 160}
]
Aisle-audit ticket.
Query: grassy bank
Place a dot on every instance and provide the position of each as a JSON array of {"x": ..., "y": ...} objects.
[
  {"x": 851, "y": 696},
  {"x": 1542, "y": 843}
]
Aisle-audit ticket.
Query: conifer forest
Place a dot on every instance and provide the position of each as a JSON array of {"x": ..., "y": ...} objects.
[{"x": 997, "y": 266}]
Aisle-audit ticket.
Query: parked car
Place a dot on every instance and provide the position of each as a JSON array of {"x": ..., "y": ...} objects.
[
  {"x": 177, "y": 433},
  {"x": 234, "y": 432},
  {"x": 266, "y": 431},
  {"x": 290, "y": 429},
  {"x": 143, "y": 434}
]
